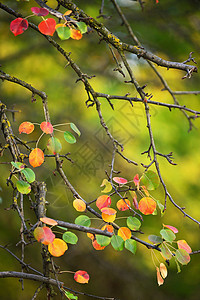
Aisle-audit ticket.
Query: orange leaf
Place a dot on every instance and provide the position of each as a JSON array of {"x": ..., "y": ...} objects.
[
  {"x": 163, "y": 270},
  {"x": 49, "y": 221},
  {"x": 103, "y": 201},
  {"x": 79, "y": 205},
  {"x": 172, "y": 228},
  {"x": 58, "y": 247},
  {"x": 97, "y": 246},
  {"x": 147, "y": 205},
  {"x": 75, "y": 34},
  {"x": 46, "y": 127},
  {"x": 124, "y": 232},
  {"x": 26, "y": 127},
  {"x": 81, "y": 276},
  {"x": 159, "y": 277},
  {"x": 36, "y": 157},
  {"x": 44, "y": 235},
  {"x": 145, "y": 190},
  {"x": 91, "y": 236},
  {"x": 67, "y": 13},
  {"x": 108, "y": 214},
  {"x": 182, "y": 244},
  {"x": 120, "y": 180},
  {"x": 122, "y": 204},
  {"x": 108, "y": 227}
]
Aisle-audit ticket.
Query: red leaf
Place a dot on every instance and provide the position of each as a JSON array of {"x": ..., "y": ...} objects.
[
  {"x": 147, "y": 205},
  {"x": 47, "y": 26},
  {"x": 36, "y": 157},
  {"x": 172, "y": 228},
  {"x": 75, "y": 34},
  {"x": 44, "y": 235},
  {"x": 18, "y": 26},
  {"x": 38, "y": 11},
  {"x": 97, "y": 246},
  {"x": 136, "y": 180},
  {"x": 182, "y": 244},
  {"x": 81, "y": 276},
  {"x": 26, "y": 127},
  {"x": 46, "y": 127},
  {"x": 103, "y": 201},
  {"x": 120, "y": 180}
]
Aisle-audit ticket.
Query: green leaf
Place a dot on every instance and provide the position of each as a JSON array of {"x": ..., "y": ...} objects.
[
  {"x": 161, "y": 207},
  {"x": 150, "y": 180},
  {"x": 29, "y": 174},
  {"x": 18, "y": 165},
  {"x": 63, "y": 228},
  {"x": 70, "y": 237},
  {"x": 182, "y": 256},
  {"x": 54, "y": 145},
  {"x": 83, "y": 220},
  {"x": 71, "y": 296},
  {"x": 63, "y": 32},
  {"x": 166, "y": 252},
  {"x": 23, "y": 187},
  {"x": 68, "y": 136},
  {"x": 102, "y": 240},
  {"x": 73, "y": 127},
  {"x": 178, "y": 266},
  {"x": 117, "y": 242},
  {"x": 133, "y": 223},
  {"x": 168, "y": 235},
  {"x": 155, "y": 239},
  {"x": 131, "y": 245},
  {"x": 82, "y": 27}
]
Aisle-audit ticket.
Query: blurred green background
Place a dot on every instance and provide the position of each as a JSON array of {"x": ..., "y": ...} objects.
[{"x": 169, "y": 29}]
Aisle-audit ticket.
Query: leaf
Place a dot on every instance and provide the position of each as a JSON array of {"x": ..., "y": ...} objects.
[
  {"x": 163, "y": 270},
  {"x": 57, "y": 247},
  {"x": 36, "y": 157},
  {"x": 26, "y": 127},
  {"x": 63, "y": 228},
  {"x": 182, "y": 256},
  {"x": 108, "y": 214},
  {"x": 161, "y": 207},
  {"x": 63, "y": 31},
  {"x": 44, "y": 235},
  {"x": 67, "y": 13},
  {"x": 46, "y": 127},
  {"x": 70, "y": 295},
  {"x": 83, "y": 221},
  {"x": 69, "y": 137},
  {"x": 136, "y": 180},
  {"x": 133, "y": 223},
  {"x": 75, "y": 129},
  {"x": 79, "y": 205},
  {"x": 124, "y": 232},
  {"x": 155, "y": 239},
  {"x": 147, "y": 205},
  {"x": 47, "y": 26},
  {"x": 102, "y": 240},
  {"x": 134, "y": 196},
  {"x": 172, "y": 228},
  {"x": 150, "y": 179},
  {"x": 18, "y": 26},
  {"x": 167, "y": 235},
  {"x": 29, "y": 174},
  {"x": 97, "y": 246},
  {"x": 82, "y": 27},
  {"x": 108, "y": 186},
  {"x": 182, "y": 244},
  {"x": 160, "y": 280},
  {"x": 131, "y": 245},
  {"x": 23, "y": 187},
  {"x": 70, "y": 237},
  {"x": 54, "y": 145},
  {"x": 103, "y": 201},
  {"x": 120, "y": 180},
  {"x": 49, "y": 221},
  {"x": 39, "y": 11},
  {"x": 117, "y": 242},
  {"x": 81, "y": 276},
  {"x": 145, "y": 190},
  {"x": 123, "y": 204},
  {"x": 165, "y": 252},
  {"x": 91, "y": 236},
  {"x": 18, "y": 165},
  {"x": 75, "y": 34},
  {"x": 108, "y": 228},
  {"x": 178, "y": 266}
]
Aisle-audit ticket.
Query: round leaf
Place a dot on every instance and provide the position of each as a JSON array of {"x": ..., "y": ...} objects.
[
  {"x": 70, "y": 238},
  {"x": 147, "y": 205},
  {"x": 82, "y": 27},
  {"x": 155, "y": 239},
  {"x": 182, "y": 256},
  {"x": 63, "y": 31},
  {"x": 79, "y": 205},
  {"x": 150, "y": 180},
  {"x": 44, "y": 235},
  {"x": 46, "y": 127},
  {"x": 120, "y": 180},
  {"x": 68, "y": 136},
  {"x": 49, "y": 221},
  {"x": 57, "y": 247},
  {"x": 54, "y": 145},
  {"x": 75, "y": 34},
  {"x": 133, "y": 223},
  {"x": 123, "y": 204},
  {"x": 102, "y": 240},
  {"x": 81, "y": 276},
  {"x": 124, "y": 232},
  {"x": 117, "y": 242},
  {"x": 83, "y": 221},
  {"x": 36, "y": 157},
  {"x": 168, "y": 235},
  {"x": 26, "y": 127},
  {"x": 23, "y": 187},
  {"x": 131, "y": 245},
  {"x": 29, "y": 174},
  {"x": 182, "y": 244},
  {"x": 103, "y": 201},
  {"x": 18, "y": 26},
  {"x": 97, "y": 246}
]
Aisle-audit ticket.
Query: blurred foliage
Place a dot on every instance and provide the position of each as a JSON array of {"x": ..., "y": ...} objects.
[{"x": 169, "y": 29}]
